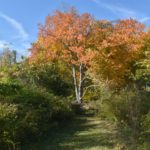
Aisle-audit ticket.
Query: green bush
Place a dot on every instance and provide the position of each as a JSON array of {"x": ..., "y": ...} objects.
[
  {"x": 8, "y": 116},
  {"x": 129, "y": 108},
  {"x": 145, "y": 135},
  {"x": 26, "y": 114},
  {"x": 48, "y": 76},
  {"x": 9, "y": 88}
]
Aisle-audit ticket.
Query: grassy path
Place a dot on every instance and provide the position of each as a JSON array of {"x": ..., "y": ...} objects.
[{"x": 83, "y": 133}]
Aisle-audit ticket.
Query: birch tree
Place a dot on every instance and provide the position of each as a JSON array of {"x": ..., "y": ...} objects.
[{"x": 65, "y": 36}]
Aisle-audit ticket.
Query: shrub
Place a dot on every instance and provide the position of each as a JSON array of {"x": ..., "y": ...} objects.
[
  {"x": 48, "y": 76},
  {"x": 9, "y": 88},
  {"x": 8, "y": 116},
  {"x": 26, "y": 114},
  {"x": 145, "y": 135},
  {"x": 127, "y": 108}
]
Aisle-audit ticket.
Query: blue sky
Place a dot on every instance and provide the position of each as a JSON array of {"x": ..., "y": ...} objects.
[{"x": 19, "y": 19}]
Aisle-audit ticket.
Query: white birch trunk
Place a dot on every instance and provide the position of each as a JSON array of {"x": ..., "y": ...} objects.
[
  {"x": 80, "y": 89},
  {"x": 75, "y": 83}
]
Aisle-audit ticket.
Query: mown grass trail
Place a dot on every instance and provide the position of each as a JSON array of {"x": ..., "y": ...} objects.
[{"x": 83, "y": 133}]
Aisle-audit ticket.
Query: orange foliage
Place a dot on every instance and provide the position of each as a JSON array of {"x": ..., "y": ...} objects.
[
  {"x": 78, "y": 39},
  {"x": 64, "y": 36},
  {"x": 119, "y": 49}
]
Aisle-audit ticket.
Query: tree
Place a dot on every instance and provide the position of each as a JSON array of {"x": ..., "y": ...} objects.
[
  {"x": 14, "y": 56},
  {"x": 143, "y": 65},
  {"x": 65, "y": 36},
  {"x": 5, "y": 59},
  {"x": 8, "y": 57},
  {"x": 119, "y": 49}
]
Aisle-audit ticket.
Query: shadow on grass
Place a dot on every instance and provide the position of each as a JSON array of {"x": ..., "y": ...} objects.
[{"x": 82, "y": 133}]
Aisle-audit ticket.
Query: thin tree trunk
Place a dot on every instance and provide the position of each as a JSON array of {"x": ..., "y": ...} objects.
[
  {"x": 75, "y": 84},
  {"x": 80, "y": 89}
]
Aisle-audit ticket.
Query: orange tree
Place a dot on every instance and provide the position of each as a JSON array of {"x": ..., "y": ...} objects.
[
  {"x": 64, "y": 37},
  {"x": 107, "y": 49},
  {"x": 119, "y": 45}
]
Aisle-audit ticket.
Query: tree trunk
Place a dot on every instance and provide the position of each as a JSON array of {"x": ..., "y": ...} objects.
[
  {"x": 75, "y": 83},
  {"x": 80, "y": 89},
  {"x": 78, "y": 84}
]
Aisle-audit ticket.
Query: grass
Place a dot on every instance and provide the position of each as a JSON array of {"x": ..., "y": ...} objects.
[{"x": 82, "y": 133}]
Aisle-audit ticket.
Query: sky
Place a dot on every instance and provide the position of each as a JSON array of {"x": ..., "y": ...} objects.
[{"x": 19, "y": 19}]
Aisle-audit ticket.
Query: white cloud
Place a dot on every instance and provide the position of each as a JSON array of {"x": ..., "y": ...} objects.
[
  {"x": 3, "y": 44},
  {"x": 117, "y": 10},
  {"x": 17, "y": 25},
  {"x": 144, "y": 19},
  {"x": 122, "y": 12}
]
